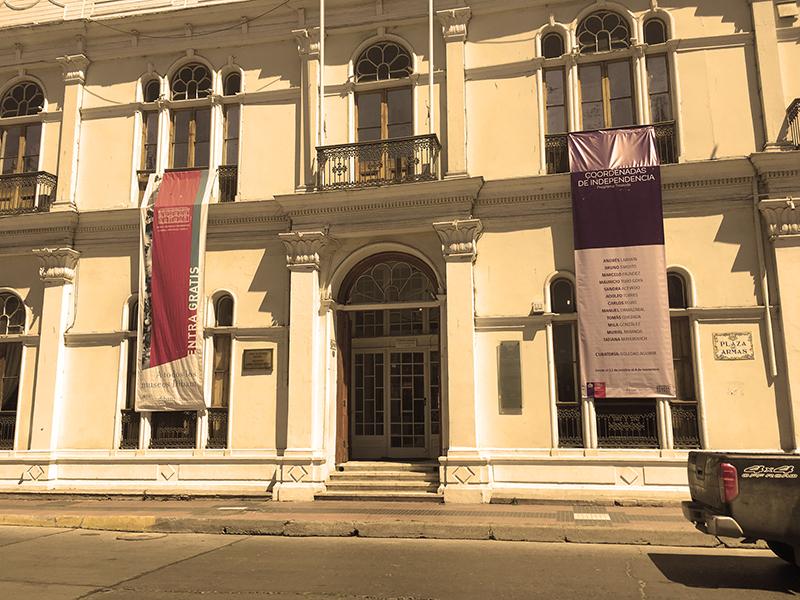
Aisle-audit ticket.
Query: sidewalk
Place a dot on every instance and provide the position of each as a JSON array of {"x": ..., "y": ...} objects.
[{"x": 661, "y": 526}]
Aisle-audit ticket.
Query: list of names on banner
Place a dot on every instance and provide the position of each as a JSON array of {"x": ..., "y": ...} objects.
[{"x": 621, "y": 280}]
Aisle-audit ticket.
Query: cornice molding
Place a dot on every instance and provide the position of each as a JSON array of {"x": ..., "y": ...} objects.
[
  {"x": 459, "y": 239},
  {"x": 58, "y": 265},
  {"x": 454, "y": 23},
  {"x": 303, "y": 249}
]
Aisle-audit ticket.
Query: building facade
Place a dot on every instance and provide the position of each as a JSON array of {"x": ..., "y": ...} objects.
[{"x": 389, "y": 267}]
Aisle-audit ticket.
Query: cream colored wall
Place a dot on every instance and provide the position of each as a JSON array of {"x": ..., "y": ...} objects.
[
  {"x": 104, "y": 284},
  {"x": 790, "y": 58},
  {"x": 20, "y": 273},
  {"x": 741, "y": 407},
  {"x": 531, "y": 428},
  {"x": 90, "y": 400},
  {"x": 268, "y": 159},
  {"x": 254, "y": 401},
  {"x": 104, "y": 163}
]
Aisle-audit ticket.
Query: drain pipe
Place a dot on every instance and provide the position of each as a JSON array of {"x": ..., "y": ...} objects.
[{"x": 763, "y": 281}]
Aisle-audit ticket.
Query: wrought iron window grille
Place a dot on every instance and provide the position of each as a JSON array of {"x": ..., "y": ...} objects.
[
  {"x": 27, "y": 192},
  {"x": 129, "y": 440},
  {"x": 173, "y": 429}
]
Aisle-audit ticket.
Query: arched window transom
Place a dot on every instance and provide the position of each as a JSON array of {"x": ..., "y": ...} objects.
[
  {"x": 552, "y": 45},
  {"x": 24, "y": 99},
  {"x": 191, "y": 82},
  {"x": 383, "y": 61},
  {"x": 562, "y": 296},
  {"x": 12, "y": 314},
  {"x": 392, "y": 281},
  {"x": 655, "y": 31},
  {"x": 603, "y": 31},
  {"x": 151, "y": 90},
  {"x": 223, "y": 311}
]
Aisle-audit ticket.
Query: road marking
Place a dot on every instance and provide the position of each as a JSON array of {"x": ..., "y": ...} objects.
[
  {"x": 592, "y": 517},
  {"x": 231, "y": 508}
]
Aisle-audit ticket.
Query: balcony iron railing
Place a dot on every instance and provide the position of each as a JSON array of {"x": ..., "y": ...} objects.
[
  {"x": 173, "y": 429},
  {"x": 129, "y": 440},
  {"x": 626, "y": 424},
  {"x": 228, "y": 182},
  {"x": 26, "y": 192},
  {"x": 570, "y": 430},
  {"x": 384, "y": 162},
  {"x": 217, "y": 427},
  {"x": 8, "y": 423},
  {"x": 685, "y": 426},
  {"x": 793, "y": 118},
  {"x": 557, "y": 153}
]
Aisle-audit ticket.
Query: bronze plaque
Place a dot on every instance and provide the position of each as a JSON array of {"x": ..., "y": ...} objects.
[{"x": 258, "y": 360}]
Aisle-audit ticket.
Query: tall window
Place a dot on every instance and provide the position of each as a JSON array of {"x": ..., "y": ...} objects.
[
  {"x": 129, "y": 438},
  {"x": 221, "y": 377},
  {"x": 386, "y": 113},
  {"x": 606, "y": 87},
  {"x": 12, "y": 324},
  {"x": 565, "y": 357},
  {"x": 190, "y": 134},
  {"x": 228, "y": 171},
  {"x": 20, "y": 143},
  {"x": 151, "y": 91},
  {"x": 685, "y": 426}
]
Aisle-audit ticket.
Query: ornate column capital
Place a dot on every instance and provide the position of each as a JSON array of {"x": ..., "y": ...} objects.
[
  {"x": 303, "y": 249},
  {"x": 782, "y": 218},
  {"x": 307, "y": 42},
  {"x": 74, "y": 66},
  {"x": 459, "y": 239},
  {"x": 57, "y": 264},
  {"x": 454, "y": 23}
]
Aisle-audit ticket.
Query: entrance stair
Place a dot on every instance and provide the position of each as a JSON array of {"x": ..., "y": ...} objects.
[{"x": 384, "y": 481}]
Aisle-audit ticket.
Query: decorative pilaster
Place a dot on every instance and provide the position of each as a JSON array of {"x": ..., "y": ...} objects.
[
  {"x": 454, "y": 29},
  {"x": 74, "y": 66},
  {"x": 57, "y": 270},
  {"x": 782, "y": 219},
  {"x": 308, "y": 50},
  {"x": 466, "y": 474},
  {"x": 459, "y": 239},
  {"x": 304, "y": 452}
]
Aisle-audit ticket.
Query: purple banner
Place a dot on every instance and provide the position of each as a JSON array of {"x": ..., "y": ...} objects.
[{"x": 620, "y": 268}]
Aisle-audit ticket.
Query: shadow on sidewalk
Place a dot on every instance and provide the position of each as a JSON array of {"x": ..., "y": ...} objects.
[{"x": 765, "y": 573}]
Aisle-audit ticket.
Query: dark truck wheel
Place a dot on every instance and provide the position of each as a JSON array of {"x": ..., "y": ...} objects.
[{"x": 782, "y": 551}]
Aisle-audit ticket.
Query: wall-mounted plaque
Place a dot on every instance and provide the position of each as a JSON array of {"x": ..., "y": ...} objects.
[
  {"x": 733, "y": 346},
  {"x": 258, "y": 360}
]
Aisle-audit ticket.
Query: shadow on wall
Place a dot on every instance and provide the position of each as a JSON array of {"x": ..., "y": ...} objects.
[
  {"x": 271, "y": 276},
  {"x": 762, "y": 573},
  {"x": 731, "y": 232}
]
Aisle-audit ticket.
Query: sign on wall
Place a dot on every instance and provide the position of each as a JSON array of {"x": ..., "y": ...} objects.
[
  {"x": 173, "y": 228},
  {"x": 733, "y": 346},
  {"x": 620, "y": 268}
]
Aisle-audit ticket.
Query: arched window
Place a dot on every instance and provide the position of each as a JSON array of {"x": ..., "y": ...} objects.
[
  {"x": 392, "y": 281},
  {"x": 386, "y": 113},
  {"x": 655, "y": 31},
  {"x": 151, "y": 91},
  {"x": 12, "y": 322},
  {"x": 221, "y": 377},
  {"x": 191, "y": 127},
  {"x": 565, "y": 357},
  {"x": 231, "y": 113},
  {"x": 603, "y": 31},
  {"x": 685, "y": 423},
  {"x": 129, "y": 438},
  {"x": 383, "y": 61},
  {"x": 20, "y": 143},
  {"x": 552, "y": 45}
]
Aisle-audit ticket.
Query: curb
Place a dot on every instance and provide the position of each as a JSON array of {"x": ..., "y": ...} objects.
[{"x": 379, "y": 529}]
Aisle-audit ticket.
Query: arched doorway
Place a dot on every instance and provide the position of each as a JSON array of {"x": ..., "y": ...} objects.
[{"x": 389, "y": 369}]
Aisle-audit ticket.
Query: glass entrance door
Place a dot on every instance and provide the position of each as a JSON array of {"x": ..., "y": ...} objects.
[{"x": 394, "y": 402}]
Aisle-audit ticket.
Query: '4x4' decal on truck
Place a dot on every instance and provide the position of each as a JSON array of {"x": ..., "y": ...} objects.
[{"x": 765, "y": 472}]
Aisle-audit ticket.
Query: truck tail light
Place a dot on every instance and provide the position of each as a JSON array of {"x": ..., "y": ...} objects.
[{"x": 728, "y": 482}]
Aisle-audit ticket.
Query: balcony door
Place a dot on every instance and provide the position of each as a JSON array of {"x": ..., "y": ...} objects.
[{"x": 382, "y": 115}]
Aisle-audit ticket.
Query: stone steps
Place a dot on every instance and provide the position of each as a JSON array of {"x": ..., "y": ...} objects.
[{"x": 384, "y": 481}]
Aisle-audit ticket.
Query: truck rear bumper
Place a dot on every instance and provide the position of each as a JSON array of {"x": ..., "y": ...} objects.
[{"x": 708, "y": 522}]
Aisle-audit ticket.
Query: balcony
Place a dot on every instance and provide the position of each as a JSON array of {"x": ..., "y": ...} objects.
[
  {"x": 8, "y": 420},
  {"x": 385, "y": 162},
  {"x": 228, "y": 182},
  {"x": 26, "y": 192},
  {"x": 793, "y": 118},
  {"x": 557, "y": 153}
]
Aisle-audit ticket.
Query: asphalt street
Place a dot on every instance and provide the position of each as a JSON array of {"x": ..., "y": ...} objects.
[{"x": 44, "y": 564}]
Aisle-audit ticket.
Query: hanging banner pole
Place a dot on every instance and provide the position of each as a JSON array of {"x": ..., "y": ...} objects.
[
  {"x": 430, "y": 73},
  {"x": 620, "y": 267},
  {"x": 321, "y": 108}
]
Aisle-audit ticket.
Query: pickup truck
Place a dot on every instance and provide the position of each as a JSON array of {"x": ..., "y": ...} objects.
[{"x": 747, "y": 495}]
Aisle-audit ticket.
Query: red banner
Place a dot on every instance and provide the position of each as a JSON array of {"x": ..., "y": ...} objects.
[{"x": 170, "y": 373}]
